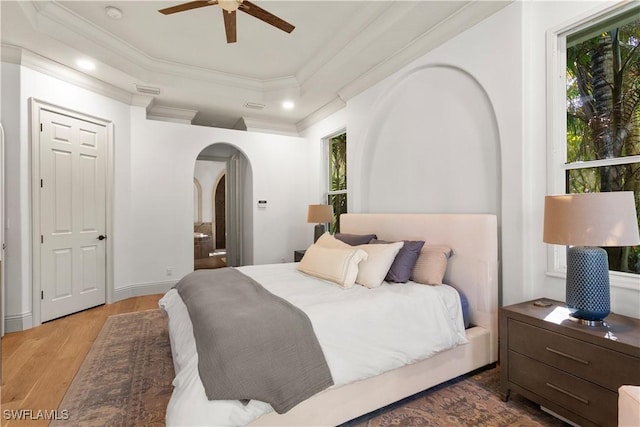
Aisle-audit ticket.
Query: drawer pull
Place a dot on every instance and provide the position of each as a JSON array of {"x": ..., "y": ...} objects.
[
  {"x": 568, "y": 393},
  {"x": 568, "y": 356}
]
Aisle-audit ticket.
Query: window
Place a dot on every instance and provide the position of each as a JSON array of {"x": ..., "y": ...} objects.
[
  {"x": 601, "y": 147},
  {"x": 337, "y": 173}
]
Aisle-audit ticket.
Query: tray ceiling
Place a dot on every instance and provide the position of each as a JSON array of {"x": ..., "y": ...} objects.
[{"x": 337, "y": 49}]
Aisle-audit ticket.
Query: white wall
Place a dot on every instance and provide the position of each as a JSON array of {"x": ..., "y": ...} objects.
[
  {"x": 408, "y": 150},
  {"x": 501, "y": 62},
  {"x": 443, "y": 135},
  {"x": 19, "y": 84},
  {"x": 161, "y": 197},
  {"x": 153, "y": 189}
]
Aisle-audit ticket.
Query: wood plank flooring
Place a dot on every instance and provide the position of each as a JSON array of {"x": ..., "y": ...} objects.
[{"x": 39, "y": 364}]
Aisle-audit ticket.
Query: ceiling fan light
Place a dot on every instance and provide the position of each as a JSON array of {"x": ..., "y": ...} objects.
[{"x": 230, "y": 5}]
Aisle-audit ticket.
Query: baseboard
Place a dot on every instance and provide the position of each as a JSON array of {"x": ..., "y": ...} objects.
[
  {"x": 142, "y": 289},
  {"x": 24, "y": 321},
  {"x": 18, "y": 322}
]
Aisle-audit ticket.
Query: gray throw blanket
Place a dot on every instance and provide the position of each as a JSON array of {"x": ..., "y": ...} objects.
[{"x": 251, "y": 344}]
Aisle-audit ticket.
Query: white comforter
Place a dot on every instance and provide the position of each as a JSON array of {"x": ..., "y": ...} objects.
[{"x": 363, "y": 332}]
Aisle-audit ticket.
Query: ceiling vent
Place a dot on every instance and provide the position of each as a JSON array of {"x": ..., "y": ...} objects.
[
  {"x": 254, "y": 105},
  {"x": 148, "y": 90}
]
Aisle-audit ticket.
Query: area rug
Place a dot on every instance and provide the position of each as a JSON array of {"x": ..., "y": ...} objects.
[
  {"x": 471, "y": 400},
  {"x": 125, "y": 380}
]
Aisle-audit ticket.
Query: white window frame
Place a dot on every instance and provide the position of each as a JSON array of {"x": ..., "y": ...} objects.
[{"x": 557, "y": 128}]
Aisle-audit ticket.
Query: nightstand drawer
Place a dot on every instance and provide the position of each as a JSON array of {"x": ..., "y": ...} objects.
[
  {"x": 574, "y": 394},
  {"x": 576, "y": 357}
]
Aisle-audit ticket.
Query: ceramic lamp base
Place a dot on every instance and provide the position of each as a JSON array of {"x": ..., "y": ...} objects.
[
  {"x": 318, "y": 231},
  {"x": 588, "y": 296}
]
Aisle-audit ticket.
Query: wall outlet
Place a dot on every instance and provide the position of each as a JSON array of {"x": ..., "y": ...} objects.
[{"x": 169, "y": 271}]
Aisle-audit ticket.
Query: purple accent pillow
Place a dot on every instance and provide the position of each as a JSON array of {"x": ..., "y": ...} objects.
[
  {"x": 402, "y": 266},
  {"x": 355, "y": 239}
]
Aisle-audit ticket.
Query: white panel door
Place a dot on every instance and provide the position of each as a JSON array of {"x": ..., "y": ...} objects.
[{"x": 72, "y": 214}]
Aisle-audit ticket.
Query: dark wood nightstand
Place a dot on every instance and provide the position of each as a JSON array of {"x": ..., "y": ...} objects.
[
  {"x": 297, "y": 255},
  {"x": 569, "y": 368}
]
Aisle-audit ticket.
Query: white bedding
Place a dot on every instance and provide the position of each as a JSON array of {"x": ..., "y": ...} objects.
[{"x": 363, "y": 332}]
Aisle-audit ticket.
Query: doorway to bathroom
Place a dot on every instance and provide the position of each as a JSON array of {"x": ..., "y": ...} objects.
[{"x": 221, "y": 172}]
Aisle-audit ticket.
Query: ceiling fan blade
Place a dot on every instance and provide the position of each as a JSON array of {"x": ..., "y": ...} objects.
[
  {"x": 230, "y": 25},
  {"x": 187, "y": 6},
  {"x": 263, "y": 15}
]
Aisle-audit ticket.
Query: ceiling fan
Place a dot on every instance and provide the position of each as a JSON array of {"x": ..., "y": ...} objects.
[{"x": 229, "y": 8}]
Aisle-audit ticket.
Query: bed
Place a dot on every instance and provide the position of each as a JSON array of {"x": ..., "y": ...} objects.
[{"x": 472, "y": 270}]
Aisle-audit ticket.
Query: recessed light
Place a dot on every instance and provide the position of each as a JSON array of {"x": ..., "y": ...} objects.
[
  {"x": 288, "y": 105},
  {"x": 86, "y": 64},
  {"x": 113, "y": 12}
]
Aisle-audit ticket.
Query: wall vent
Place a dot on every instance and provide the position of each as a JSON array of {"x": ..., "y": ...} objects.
[
  {"x": 254, "y": 105},
  {"x": 148, "y": 90}
]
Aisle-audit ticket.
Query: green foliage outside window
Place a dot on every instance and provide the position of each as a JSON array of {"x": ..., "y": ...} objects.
[
  {"x": 603, "y": 120},
  {"x": 337, "y": 196}
]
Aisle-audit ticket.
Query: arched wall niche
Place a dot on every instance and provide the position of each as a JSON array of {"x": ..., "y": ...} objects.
[{"x": 432, "y": 145}]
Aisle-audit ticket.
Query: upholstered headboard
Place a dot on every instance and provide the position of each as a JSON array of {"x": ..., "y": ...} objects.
[{"x": 473, "y": 267}]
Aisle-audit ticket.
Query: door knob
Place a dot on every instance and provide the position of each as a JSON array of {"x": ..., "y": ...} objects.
[{"x": 101, "y": 237}]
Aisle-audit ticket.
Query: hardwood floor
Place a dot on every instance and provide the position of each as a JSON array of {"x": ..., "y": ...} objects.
[{"x": 39, "y": 364}]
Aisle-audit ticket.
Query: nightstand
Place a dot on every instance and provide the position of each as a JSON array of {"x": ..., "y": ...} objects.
[
  {"x": 297, "y": 255},
  {"x": 569, "y": 368}
]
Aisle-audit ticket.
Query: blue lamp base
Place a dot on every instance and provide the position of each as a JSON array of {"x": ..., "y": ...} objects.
[{"x": 588, "y": 296}]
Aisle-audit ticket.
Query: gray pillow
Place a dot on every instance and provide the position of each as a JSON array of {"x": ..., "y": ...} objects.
[
  {"x": 355, "y": 239},
  {"x": 402, "y": 266}
]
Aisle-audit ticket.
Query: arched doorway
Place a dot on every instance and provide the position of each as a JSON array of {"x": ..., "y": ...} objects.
[{"x": 223, "y": 228}]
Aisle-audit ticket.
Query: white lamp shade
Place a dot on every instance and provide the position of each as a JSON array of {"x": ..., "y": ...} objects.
[
  {"x": 591, "y": 219},
  {"x": 320, "y": 214}
]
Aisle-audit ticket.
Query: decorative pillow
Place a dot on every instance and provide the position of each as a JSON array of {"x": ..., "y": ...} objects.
[
  {"x": 400, "y": 271},
  {"x": 373, "y": 270},
  {"x": 336, "y": 265},
  {"x": 327, "y": 240},
  {"x": 431, "y": 265},
  {"x": 355, "y": 239}
]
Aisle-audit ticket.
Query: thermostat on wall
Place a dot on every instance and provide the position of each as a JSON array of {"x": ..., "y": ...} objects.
[{"x": 262, "y": 203}]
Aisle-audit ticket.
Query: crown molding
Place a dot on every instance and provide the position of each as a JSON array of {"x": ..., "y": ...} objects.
[
  {"x": 469, "y": 14},
  {"x": 333, "y": 106},
  {"x": 259, "y": 125},
  {"x": 66, "y": 26},
  {"x": 178, "y": 115},
  {"x": 26, "y": 58}
]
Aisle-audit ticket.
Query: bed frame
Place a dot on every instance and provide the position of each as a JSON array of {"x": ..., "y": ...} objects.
[{"x": 473, "y": 269}]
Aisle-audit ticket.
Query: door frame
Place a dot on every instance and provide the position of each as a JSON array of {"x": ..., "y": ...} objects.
[
  {"x": 234, "y": 204},
  {"x": 35, "y": 106}
]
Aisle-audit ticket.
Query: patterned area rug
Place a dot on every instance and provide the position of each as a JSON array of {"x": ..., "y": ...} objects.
[
  {"x": 472, "y": 400},
  {"x": 126, "y": 378}
]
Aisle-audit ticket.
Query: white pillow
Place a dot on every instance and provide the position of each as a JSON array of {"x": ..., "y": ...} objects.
[
  {"x": 328, "y": 241},
  {"x": 373, "y": 270},
  {"x": 336, "y": 265}
]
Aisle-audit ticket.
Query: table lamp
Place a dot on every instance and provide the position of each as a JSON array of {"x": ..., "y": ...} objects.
[
  {"x": 320, "y": 215},
  {"x": 585, "y": 222}
]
